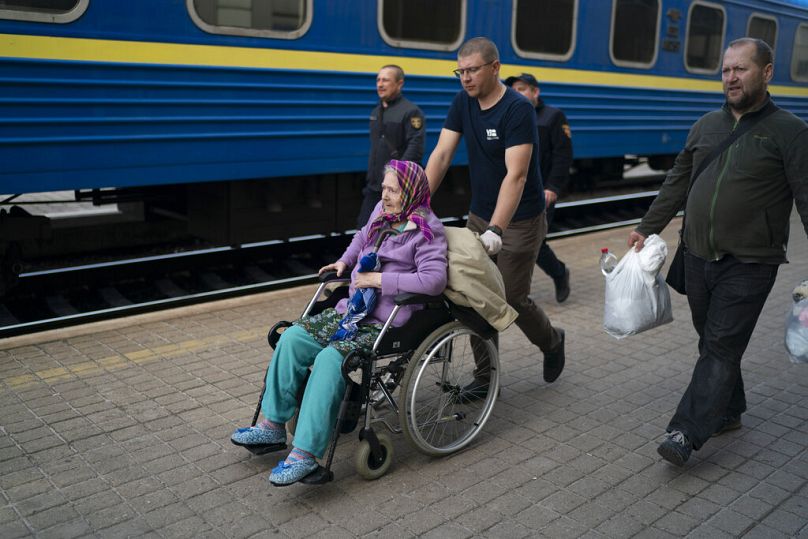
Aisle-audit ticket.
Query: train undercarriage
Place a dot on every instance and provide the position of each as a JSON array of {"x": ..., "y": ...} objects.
[{"x": 227, "y": 213}]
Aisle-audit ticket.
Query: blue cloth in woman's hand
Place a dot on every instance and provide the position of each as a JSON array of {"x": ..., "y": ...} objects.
[{"x": 362, "y": 302}]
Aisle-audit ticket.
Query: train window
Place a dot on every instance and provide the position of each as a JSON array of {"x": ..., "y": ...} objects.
[
  {"x": 635, "y": 32},
  {"x": 544, "y": 28},
  {"x": 57, "y": 11},
  {"x": 706, "y": 24},
  {"x": 763, "y": 27},
  {"x": 285, "y": 19},
  {"x": 422, "y": 24},
  {"x": 799, "y": 56}
]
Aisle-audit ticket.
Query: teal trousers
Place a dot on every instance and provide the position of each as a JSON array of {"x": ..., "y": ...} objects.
[{"x": 296, "y": 351}]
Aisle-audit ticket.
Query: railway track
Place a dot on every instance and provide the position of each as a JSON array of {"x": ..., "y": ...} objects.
[{"x": 59, "y": 297}]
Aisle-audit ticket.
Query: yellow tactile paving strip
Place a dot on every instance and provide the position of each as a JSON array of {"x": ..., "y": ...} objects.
[{"x": 127, "y": 360}]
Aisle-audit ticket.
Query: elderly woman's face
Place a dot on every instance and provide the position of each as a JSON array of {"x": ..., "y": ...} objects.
[{"x": 392, "y": 196}]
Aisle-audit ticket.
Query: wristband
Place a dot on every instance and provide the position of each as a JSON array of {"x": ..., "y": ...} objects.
[{"x": 495, "y": 229}]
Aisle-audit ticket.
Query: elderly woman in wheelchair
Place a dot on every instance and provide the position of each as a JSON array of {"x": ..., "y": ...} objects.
[{"x": 401, "y": 249}]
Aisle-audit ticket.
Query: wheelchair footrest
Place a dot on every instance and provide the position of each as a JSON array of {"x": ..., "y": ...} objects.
[
  {"x": 263, "y": 449},
  {"x": 320, "y": 476}
]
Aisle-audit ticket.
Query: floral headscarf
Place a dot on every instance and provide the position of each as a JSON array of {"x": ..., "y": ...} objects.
[{"x": 415, "y": 198}]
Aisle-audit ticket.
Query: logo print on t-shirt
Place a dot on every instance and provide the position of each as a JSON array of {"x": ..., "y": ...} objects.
[{"x": 491, "y": 134}]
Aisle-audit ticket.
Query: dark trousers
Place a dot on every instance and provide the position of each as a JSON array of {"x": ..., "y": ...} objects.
[
  {"x": 726, "y": 297},
  {"x": 547, "y": 260},
  {"x": 369, "y": 201},
  {"x": 520, "y": 244}
]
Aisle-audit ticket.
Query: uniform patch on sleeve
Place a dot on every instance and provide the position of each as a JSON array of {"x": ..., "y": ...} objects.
[
  {"x": 567, "y": 131},
  {"x": 416, "y": 122}
]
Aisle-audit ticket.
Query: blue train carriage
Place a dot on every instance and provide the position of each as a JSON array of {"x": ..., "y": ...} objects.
[{"x": 246, "y": 120}]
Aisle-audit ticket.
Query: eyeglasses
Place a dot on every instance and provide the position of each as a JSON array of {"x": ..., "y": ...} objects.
[{"x": 471, "y": 70}]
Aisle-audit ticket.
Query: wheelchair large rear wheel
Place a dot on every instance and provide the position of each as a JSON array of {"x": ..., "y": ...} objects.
[{"x": 447, "y": 394}]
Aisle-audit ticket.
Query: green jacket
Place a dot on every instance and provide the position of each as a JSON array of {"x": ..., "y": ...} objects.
[{"x": 741, "y": 204}]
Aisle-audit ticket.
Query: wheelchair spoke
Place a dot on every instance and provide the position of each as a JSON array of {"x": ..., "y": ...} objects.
[{"x": 447, "y": 399}]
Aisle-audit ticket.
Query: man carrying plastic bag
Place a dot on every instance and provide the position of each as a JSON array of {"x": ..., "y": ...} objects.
[{"x": 637, "y": 298}]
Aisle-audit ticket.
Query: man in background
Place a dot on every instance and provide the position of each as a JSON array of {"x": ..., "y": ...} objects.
[
  {"x": 397, "y": 131},
  {"x": 555, "y": 159}
]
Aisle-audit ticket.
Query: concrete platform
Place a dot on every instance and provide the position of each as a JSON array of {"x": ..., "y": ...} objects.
[{"x": 121, "y": 429}]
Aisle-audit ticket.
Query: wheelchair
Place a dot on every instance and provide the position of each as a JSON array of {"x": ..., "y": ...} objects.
[{"x": 419, "y": 372}]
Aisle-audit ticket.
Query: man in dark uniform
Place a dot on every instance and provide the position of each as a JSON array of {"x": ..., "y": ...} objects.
[
  {"x": 555, "y": 158},
  {"x": 397, "y": 131}
]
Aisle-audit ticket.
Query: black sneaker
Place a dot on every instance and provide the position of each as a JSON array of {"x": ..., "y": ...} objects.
[
  {"x": 554, "y": 360},
  {"x": 562, "y": 286},
  {"x": 728, "y": 424},
  {"x": 676, "y": 448}
]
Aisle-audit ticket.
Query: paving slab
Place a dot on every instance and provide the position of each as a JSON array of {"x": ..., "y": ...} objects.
[{"x": 121, "y": 428}]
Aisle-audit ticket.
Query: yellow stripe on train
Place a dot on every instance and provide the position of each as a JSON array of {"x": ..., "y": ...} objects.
[{"x": 96, "y": 50}]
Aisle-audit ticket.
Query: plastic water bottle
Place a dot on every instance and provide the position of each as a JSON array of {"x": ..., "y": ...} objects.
[{"x": 607, "y": 261}]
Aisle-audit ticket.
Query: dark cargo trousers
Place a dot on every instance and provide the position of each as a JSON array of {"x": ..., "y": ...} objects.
[
  {"x": 726, "y": 297},
  {"x": 547, "y": 259}
]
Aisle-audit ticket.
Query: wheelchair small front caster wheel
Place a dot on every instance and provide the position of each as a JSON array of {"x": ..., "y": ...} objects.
[{"x": 366, "y": 465}]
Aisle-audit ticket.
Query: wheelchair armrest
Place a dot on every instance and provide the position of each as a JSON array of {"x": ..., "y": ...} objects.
[
  {"x": 325, "y": 297},
  {"x": 275, "y": 332},
  {"x": 408, "y": 298},
  {"x": 331, "y": 276}
]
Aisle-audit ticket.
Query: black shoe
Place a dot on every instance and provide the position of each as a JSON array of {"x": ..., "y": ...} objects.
[
  {"x": 676, "y": 448},
  {"x": 562, "y": 286},
  {"x": 477, "y": 390},
  {"x": 728, "y": 424},
  {"x": 554, "y": 361}
]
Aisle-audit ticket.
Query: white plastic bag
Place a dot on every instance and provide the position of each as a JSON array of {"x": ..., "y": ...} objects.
[
  {"x": 797, "y": 332},
  {"x": 637, "y": 298}
]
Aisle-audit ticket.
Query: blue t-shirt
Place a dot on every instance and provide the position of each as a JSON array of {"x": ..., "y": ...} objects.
[{"x": 488, "y": 133}]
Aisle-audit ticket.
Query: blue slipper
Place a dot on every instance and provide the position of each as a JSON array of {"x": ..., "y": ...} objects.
[
  {"x": 258, "y": 436},
  {"x": 287, "y": 473}
]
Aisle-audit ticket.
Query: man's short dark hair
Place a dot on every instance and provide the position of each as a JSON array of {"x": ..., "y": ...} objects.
[
  {"x": 397, "y": 69},
  {"x": 763, "y": 52},
  {"x": 482, "y": 45}
]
